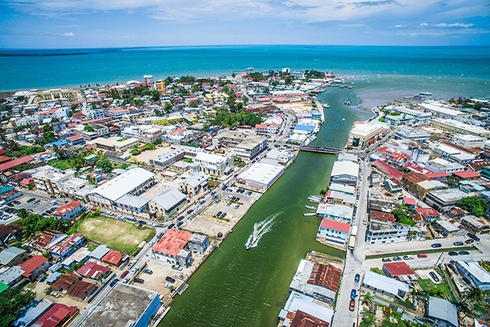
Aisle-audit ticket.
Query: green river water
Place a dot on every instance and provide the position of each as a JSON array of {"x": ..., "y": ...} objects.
[{"x": 235, "y": 287}]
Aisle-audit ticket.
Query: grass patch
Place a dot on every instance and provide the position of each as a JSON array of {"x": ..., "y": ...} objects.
[
  {"x": 60, "y": 164},
  {"x": 431, "y": 288},
  {"x": 437, "y": 250},
  {"x": 116, "y": 234}
]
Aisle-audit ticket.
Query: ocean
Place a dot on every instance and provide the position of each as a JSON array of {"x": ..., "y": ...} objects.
[{"x": 444, "y": 71}]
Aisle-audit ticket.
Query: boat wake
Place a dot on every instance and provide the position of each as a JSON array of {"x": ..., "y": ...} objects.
[{"x": 260, "y": 229}]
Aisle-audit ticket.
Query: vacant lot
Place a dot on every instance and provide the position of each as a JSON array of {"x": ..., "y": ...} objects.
[{"x": 119, "y": 235}]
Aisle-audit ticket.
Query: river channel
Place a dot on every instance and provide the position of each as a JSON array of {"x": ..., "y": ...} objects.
[{"x": 236, "y": 287}]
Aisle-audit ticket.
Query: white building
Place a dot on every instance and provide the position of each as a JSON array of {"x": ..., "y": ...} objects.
[
  {"x": 194, "y": 184},
  {"x": 260, "y": 175},
  {"x": 302, "y": 303},
  {"x": 383, "y": 285},
  {"x": 56, "y": 182},
  {"x": 335, "y": 211},
  {"x": 333, "y": 231},
  {"x": 345, "y": 172},
  {"x": 469, "y": 141},
  {"x": 168, "y": 202},
  {"x": 381, "y": 232},
  {"x": 213, "y": 164},
  {"x": 439, "y": 165}
]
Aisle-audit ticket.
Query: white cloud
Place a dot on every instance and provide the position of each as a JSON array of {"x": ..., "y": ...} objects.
[
  {"x": 69, "y": 34},
  {"x": 424, "y": 24},
  {"x": 398, "y": 26},
  {"x": 454, "y": 25}
]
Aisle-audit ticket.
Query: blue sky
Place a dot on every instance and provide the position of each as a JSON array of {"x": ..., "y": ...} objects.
[{"x": 125, "y": 23}]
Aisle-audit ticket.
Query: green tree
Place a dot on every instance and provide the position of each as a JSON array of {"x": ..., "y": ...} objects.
[
  {"x": 104, "y": 164},
  {"x": 22, "y": 213},
  {"x": 149, "y": 146},
  {"x": 475, "y": 205},
  {"x": 135, "y": 151},
  {"x": 12, "y": 300},
  {"x": 168, "y": 107},
  {"x": 88, "y": 128},
  {"x": 158, "y": 141}
]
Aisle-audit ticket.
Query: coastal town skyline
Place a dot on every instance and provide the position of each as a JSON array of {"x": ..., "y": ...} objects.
[{"x": 72, "y": 24}]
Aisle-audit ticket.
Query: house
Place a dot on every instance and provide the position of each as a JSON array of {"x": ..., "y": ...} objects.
[
  {"x": 400, "y": 271},
  {"x": 380, "y": 232},
  {"x": 12, "y": 256},
  {"x": 172, "y": 248},
  {"x": 429, "y": 214},
  {"x": 99, "y": 252},
  {"x": 194, "y": 184},
  {"x": 467, "y": 175},
  {"x": 94, "y": 271},
  {"x": 56, "y": 316},
  {"x": 75, "y": 140},
  {"x": 382, "y": 285},
  {"x": 65, "y": 282},
  {"x": 11, "y": 276},
  {"x": 474, "y": 224},
  {"x": 47, "y": 239},
  {"x": 81, "y": 289},
  {"x": 113, "y": 257},
  {"x": 80, "y": 255},
  {"x": 67, "y": 246},
  {"x": 68, "y": 210},
  {"x": 333, "y": 231},
  {"x": 442, "y": 313},
  {"x": 34, "y": 267},
  {"x": 446, "y": 228},
  {"x": 167, "y": 203},
  {"x": 409, "y": 202},
  {"x": 382, "y": 216},
  {"x": 474, "y": 274},
  {"x": 300, "y": 307}
]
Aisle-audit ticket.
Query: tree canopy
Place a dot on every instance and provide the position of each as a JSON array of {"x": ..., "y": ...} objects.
[
  {"x": 476, "y": 206},
  {"x": 12, "y": 300}
]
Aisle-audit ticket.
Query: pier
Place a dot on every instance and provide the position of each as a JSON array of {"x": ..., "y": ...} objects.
[{"x": 320, "y": 149}]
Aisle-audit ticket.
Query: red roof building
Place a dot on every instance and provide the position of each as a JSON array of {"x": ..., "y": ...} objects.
[
  {"x": 299, "y": 318},
  {"x": 34, "y": 266},
  {"x": 325, "y": 275},
  {"x": 56, "y": 316},
  {"x": 14, "y": 163},
  {"x": 439, "y": 176},
  {"x": 466, "y": 175},
  {"x": 113, "y": 257},
  {"x": 172, "y": 242},
  {"x": 81, "y": 289},
  {"x": 409, "y": 202},
  {"x": 67, "y": 246},
  {"x": 94, "y": 271},
  {"x": 428, "y": 213},
  {"x": 382, "y": 216},
  {"x": 65, "y": 282},
  {"x": 400, "y": 270},
  {"x": 68, "y": 210},
  {"x": 391, "y": 171},
  {"x": 335, "y": 225}
]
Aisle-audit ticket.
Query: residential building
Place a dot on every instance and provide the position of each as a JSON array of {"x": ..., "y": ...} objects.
[
  {"x": 474, "y": 224},
  {"x": 92, "y": 270},
  {"x": 390, "y": 171},
  {"x": 118, "y": 144},
  {"x": 56, "y": 182},
  {"x": 80, "y": 255},
  {"x": 11, "y": 276},
  {"x": 303, "y": 310},
  {"x": 467, "y": 175},
  {"x": 172, "y": 248},
  {"x": 400, "y": 271},
  {"x": 99, "y": 252},
  {"x": 65, "y": 282},
  {"x": 68, "y": 210},
  {"x": 57, "y": 316},
  {"x": 430, "y": 214},
  {"x": 336, "y": 197},
  {"x": 198, "y": 243},
  {"x": 167, "y": 203},
  {"x": 81, "y": 290},
  {"x": 380, "y": 232},
  {"x": 213, "y": 164},
  {"x": 444, "y": 199},
  {"x": 442, "y": 313},
  {"x": 382, "y": 285},
  {"x": 194, "y": 184},
  {"x": 34, "y": 311},
  {"x": 447, "y": 228},
  {"x": 440, "y": 165},
  {"x": 12, "y": 256},
  {"x": 44, "y": 241},
  {"x": 175, "y": 155},
  {"x": 469, "y": 141},
  {"x": 474, "y": 274},
  {"x": 34, "y": 267},
  {"x": 113, "y": 257},
  {"x": 333, "y": 231},
  {"x": 67, "y": 246}
]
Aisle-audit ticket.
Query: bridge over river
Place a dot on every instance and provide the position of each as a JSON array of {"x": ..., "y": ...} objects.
[{"x": 320, "y": 149}]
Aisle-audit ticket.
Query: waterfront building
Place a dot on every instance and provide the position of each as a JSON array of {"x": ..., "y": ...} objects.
[
  {"x": 336, "y": 197},
  {"x": 320, "y": 281},
  {"x": 172, "y": 248},
  {"x": 68, "y": 210},
  {"x": 335, "y": 212},
  {"x": 362, "y": 135},
  {"x": 381, "y": 232},
  {"x": 119, "y": 307},
  {"x": 382, "y": 285},
  {"x": 347, "y": 189},
  {"x": 333, "y": 231},
  {"x": 260, "y": 175},
  {"x": 345, "y": 172},
  {"x": 58, "y": 94},
  {"x": 132, "y": 183},
  {"x": 167, "y": 203},
  {"x": 299, "y": 308},
  {"x": 457, "y": 127},
  {"x": 198, "y": 243},
  {"x": 438, "y": 110}
]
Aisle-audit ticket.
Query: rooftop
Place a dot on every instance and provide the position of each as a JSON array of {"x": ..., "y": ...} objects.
[
  {"x": 382, "y": 216},
  {"x": 384, "y": 283},
  {"x": 172, "y": 242},
  {"x": 66, "y": 208},
  {"x": 335, "y": 225},
  {"x": 335, "y": 210},
  {"x": 443, "y": 310},
  {"x": 398, "y": 268},
  {"x": 31, "y": 264},
  {"x": 92, "y": 270},
  {"x": 169, "y": 198},
  {"x": 325, "y": 275}
]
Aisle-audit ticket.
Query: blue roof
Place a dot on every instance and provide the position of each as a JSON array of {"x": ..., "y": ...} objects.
[
  {"x": 34, "y": 311},
  {"x": 53, "y": 277},
  {"x": 308, "y": 128}
]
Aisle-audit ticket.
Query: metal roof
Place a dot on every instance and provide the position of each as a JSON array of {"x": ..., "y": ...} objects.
[{"x": 443, "y": 310}]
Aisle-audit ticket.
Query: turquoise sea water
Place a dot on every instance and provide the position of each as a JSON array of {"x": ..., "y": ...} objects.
[{"x": 461, "y": 71}]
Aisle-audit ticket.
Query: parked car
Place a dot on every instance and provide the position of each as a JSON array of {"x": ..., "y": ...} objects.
[
  {"x": 223, "y": 215},
  {"x": 469, "y": 241},
  {"x": 124, "y": 274},
  {"x": 421, "y": 255},
  {"x": 219, "y": 214},
  {"x": 114, "y": 282},
  {"x": 180, "y": 218},
  {"x": 249, "y": 192},
  {"x": 397, "y": 259},
  {"x": 357, "y": 278},
  {"x": 16, "y": 202},
  {"x": 30, "y": 200},
  {"x": 139, "y": 280},
  {"x": 386, "y": 259},
  {"x": 352, "y": 305},
  {"x": 407, "y": 257},
  {"x": 180, "y": 223},
  {"x": 189, "y": 211},
  {"x": 436, "y": 245},
  {"x": 237, "y": 206},
  {"x": 171, "y": 226},
  {"x": 148, "y": 271},
  {"x": 458, "y": 243},
  {"x": 179, "y": 276},
  {"x": 434, "y": 276},
  {"x": 176, "y": 267},
  {"x": 452, "y": 253},
  {"x": 463, "y": 252},
  {"x": 170, "y": 279},
  {"x": 353, "y": 294},
  {"x": 473, "y": 236}
]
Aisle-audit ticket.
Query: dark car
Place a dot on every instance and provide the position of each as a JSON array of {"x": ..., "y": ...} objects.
[
  {"x": 458, "y": 243},
  {"x": 386, "y": 259},
  {"x": 16, "y": 202},
  {"x": 473, "y": 236},
  {"x": 463, "y": 253},
  {"x": 180, "y": 218},
  {"x": 397, "y": 259},
  {"x": 357, "y": 278},
  {"x": 141, "y": 222},
  {"x": 436, "y": 245},
  {"x": 219, "y": 214},
  {"x": 124, "y": 274},
  {"x": 171, "y": 226},
  {"x": 223, "y": 215},
  {"x": 434, "y": 276},
  {"x": 190, "y": 211},
  {"x": 469, "y": 241},
  {"x": 180, "y": 223},
  {"x": 352, "y": 305},
  {"x": 139, "y": 280},
  {"x": 114, "y": 282},
  {"x": 353, "y": 294},
  {"x": 148, "y": 271},
  {"x": 175, "y": 267},
  {"x": 170, "y": 279},
  {"x": 452, "y": 253}
]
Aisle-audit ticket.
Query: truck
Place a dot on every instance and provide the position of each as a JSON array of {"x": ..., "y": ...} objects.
[
  {"x": 354, "y": 231},
  {"x": 352, "y": 242}
]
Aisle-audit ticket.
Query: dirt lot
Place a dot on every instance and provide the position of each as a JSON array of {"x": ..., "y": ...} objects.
[
  {"x": 119, "y": 235},
  {"x": 296, "y": 107}
]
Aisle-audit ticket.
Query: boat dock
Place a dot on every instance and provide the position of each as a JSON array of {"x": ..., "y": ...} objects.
[{"x": 320, "y": 149}]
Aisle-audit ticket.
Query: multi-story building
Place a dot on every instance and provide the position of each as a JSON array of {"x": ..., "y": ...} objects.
[
  {"x": 175, "y": 155},
  {"x": 172, "y": 248},
  {"x": 213, "y": 164},
  {"x": 55, "y": 182},
  {"x": 380, "y": 232},
  {"x": 457, "y": 127},
  {"x": 469, "y": 141},
  {"x": 194, "y": 184},
  {"x": 335, "y": 212},
  {"x": 333, "y": 231},
  {"x": 168, "y": 202}
]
